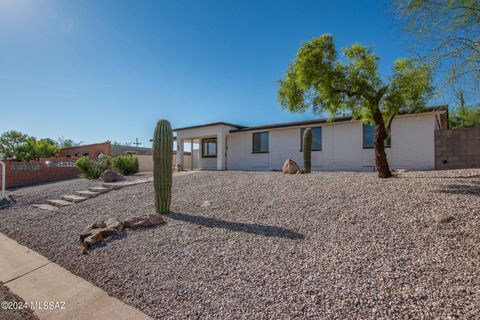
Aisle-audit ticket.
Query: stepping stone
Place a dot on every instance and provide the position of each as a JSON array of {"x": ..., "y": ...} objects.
[
  {"x": 118, "y": 185},
  {"x": 59, "y": 203},
  {"x": 87, "y": 193},
  {"x": 73, "y": 198},
  {"x": 99, "y": 189},
  {"x": 45, "y": 207}
]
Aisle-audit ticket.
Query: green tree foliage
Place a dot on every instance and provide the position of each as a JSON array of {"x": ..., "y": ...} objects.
[
  {"x": 126, "y": 165},
  {"x": 318, "y": 79},
  {"x": 19, "y": 146},
  {"x": 12, "y": 144},
  {"x": 62, "y": 142},
  {"x": 465, "y": 117},
  {"x": 447, "y": 34}
]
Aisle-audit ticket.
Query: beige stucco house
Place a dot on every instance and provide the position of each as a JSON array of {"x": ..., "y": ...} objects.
[{"x": 344, "y": 144}]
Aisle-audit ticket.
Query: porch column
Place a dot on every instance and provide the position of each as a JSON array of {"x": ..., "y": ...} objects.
[
  {"x": 179, "y": 157},
  {"x": 221, "y": 151},
  {"x": 191, "y": 155}
]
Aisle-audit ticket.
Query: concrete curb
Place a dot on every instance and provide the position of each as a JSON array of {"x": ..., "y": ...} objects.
[{"x": 38, "y": 280}]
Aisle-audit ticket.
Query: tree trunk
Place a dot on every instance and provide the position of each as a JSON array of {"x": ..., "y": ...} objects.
[{"x": 381, "y": 163}]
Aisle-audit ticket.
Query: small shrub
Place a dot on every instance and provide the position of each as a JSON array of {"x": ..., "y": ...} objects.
[
  {"x": 126, "y": 165},
  {"x": 91, "y": 169}
]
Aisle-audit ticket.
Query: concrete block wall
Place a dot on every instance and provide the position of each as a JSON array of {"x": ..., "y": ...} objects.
[{"x": 457, "y": 148}]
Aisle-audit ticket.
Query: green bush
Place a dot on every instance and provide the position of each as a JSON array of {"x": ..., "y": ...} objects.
[
  {"x": 91, "y": 169},
  {"x": 126, "y": 165}
]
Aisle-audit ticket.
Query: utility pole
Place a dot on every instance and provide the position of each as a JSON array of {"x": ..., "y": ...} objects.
[{"x": 136, "y": 143}]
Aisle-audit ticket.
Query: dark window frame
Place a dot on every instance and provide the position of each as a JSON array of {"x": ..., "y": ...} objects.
[
  {"x": 387, "y": 142},
  {"x": 302, "y": 130},
  {"x": 203, "y": 148},
  {"x": 253, "y": 142}
]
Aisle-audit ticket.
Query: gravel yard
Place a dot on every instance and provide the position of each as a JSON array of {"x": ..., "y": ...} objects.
[
  {"x": 15, "y": 308},
  {"x": 324, "y": 245}
]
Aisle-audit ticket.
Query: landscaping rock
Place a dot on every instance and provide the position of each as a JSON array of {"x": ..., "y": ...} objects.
[
  {"x": 445, "y": 219},
  {"x": 144, "y": 221},
  {"x": 111, "y": 176},
  {"x": 290, "y": 167},
  {"x": 100, "y": 231}
]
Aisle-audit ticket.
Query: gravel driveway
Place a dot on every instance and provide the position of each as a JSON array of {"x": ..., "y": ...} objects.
[{"x": 333, "y": 245}]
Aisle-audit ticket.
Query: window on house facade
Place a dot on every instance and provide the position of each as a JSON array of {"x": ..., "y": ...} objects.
[
  {"x": 260, "y": 142},
  {"x": 369, "y": 137},
  {"x": 209, "y": 148},
  {"x": 316, "y": 138}
]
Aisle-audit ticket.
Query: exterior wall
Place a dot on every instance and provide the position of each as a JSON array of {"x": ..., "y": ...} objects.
[
  {"x": 413, "y": 142},
  {"x": 342, "y": 147},
  {"x": 187, "y": 161},
  {"x": 32, "y": 172},
  {"x": 145, "y": 162},
  {"x": 117, "y": 150},
  {"x": 93, "y": 150},
  {"x": 457, "y": 148}
]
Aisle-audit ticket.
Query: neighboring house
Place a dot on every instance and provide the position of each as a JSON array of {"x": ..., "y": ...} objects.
[
  {"x": 96, "y": 150},
  {"x": 344, "y": 144}
]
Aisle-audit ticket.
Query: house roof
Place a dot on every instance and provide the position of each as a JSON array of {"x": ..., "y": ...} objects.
[
  {"x": 210, "y": 125},
  {"x": 325, "y": 120},
  {"x": 240, "y": 128}
]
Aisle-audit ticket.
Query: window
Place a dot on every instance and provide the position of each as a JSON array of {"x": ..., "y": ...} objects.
[
  {"x": 209, "y": 148},
  {"x": 316, "y": 139},
  {"x": 260, "y": 142},
  {"x": 369, "y": 137}
]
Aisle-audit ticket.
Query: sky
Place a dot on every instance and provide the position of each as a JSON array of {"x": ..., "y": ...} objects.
[{"x": 104, "y": 70}]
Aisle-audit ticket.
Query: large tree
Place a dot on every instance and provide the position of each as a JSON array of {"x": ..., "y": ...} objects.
[
  {"x": 19, "y": 146},
  {"x": 318, "y": 79},
  {"x": 12, "y": 144},
  {"x": 446, "y": 35}
]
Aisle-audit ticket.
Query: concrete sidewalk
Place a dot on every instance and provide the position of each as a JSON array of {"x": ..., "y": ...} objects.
[{"x": 36, "y": 279}]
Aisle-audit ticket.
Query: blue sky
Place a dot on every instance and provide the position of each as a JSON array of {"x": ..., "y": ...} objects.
[{"x": 109, "y": 69}]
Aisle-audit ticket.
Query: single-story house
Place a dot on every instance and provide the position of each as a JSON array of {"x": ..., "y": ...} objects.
[
  {"x": 107, "y": 148},
  {"x": 341, "y": 144}
]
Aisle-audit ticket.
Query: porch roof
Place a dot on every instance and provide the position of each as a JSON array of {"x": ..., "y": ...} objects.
[{"x": 213, "y": 124}]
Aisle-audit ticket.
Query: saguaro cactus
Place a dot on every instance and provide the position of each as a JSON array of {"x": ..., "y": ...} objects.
[
  {"x": 162, "y": 165},
  {"x": 307, "y": 150}
]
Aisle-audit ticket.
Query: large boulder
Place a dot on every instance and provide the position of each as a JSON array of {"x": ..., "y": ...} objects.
[
  {"x": 290, "y": 167},
  {"x": 111, "y": 176}
]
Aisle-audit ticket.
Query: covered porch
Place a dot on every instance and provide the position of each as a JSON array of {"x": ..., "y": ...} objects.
[{"x": 208, "y": 145}]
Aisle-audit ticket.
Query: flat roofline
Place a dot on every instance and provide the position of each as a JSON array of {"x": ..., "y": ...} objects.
[
  {"x": 326, "y": 120},
  {"x": 210, "y": 125},
  {"x": 86, "y": 145},
  {"x": 130, "y": 147}
]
